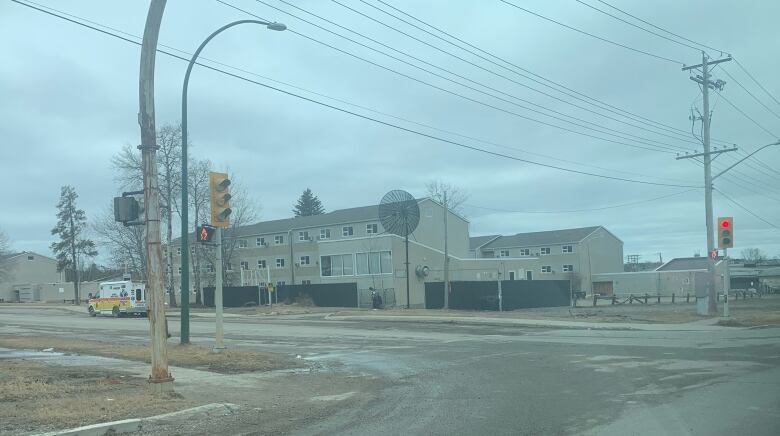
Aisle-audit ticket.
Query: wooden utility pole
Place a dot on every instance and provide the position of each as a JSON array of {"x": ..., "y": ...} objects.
[
  {"x": 446, "y": 255},
  {"x": 708, "y": 305},
  {"x": 160, "y": 379}
]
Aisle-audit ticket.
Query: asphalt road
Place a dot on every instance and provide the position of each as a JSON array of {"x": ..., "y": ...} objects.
[{"x": 451, "y": 379}]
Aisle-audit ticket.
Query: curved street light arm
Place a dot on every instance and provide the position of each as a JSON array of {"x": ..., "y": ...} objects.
[
  {"x": 184, "y": 284},
  {"x": 744, "y": 158}
]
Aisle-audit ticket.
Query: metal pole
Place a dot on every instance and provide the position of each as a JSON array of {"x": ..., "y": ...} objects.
[
  {"x": 446, "y": 255},
  {"x": 160, "y": 377},
  {"x": 292, "y": 261},
  {"x": 500, "y": 294},
  {"x": 711, "y": 308},
  {"x": 408, "y": 304},
  {"x": 726, "y": 284},
  {"x": 185, "y": 266},
  {"x": 218, "y": 345}
]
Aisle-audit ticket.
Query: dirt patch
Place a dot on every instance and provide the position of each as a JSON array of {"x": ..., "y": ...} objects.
[
  {"x": 189, "y": 356},
  {"x": 37, "y": 398}
]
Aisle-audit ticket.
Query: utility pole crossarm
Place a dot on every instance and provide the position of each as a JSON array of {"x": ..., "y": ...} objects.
[
  {"x": 709, "y": 63},
  {"x": 745, "y": 158},
  {"x": 711, "y": 152}
]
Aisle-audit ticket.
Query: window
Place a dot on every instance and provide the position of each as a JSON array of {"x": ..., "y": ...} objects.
[
  {"x": 178, "y": 251},
  {"x": 428, "y": 212},
  {"x": 179, "y": 271},
  {"x": 30, "y": 257},
  {"x": 346, "y": 231},
  {"x": 280, "y": 283},
  {"x": 324, "y": 233},
  {"x": 228, "y": 266},
  {"x": 305, "y": 282},
  {"x": 568, "y": 268},
  {"x": 525, "y": 251},
  {"x": 374, "y": 263},
  {"x": 242, "y": 243},
  {"x": 260, "y": 242},
  {"x": 261, "y": 263},
  {"x": 279, "y": 262},
  {"x": 546, "y": 269},
  {"x": 503, "y": 253},
  {"x": 567, "y": 249},
  {"x": 337, "y": 265},
  {"x": 372, "y": 229},
  {"x": 303, "y": 236},
  {"x": 210, "y": 267},
  {"x": 544, "y": 251},
  {"x": 279, "y": 239},
  {"x": 244, "y": 265},
  {"x": 304, "y": 260}
]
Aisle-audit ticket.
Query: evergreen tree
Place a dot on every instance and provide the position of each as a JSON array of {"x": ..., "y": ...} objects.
[
  {"x": 308, "y": 205},
  {"x": 71, "y": 222}
]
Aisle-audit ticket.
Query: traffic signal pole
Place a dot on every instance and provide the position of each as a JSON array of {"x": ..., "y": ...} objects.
[
  {"x": 160, "y": 379},
  {"x": 218, "y": 343}
]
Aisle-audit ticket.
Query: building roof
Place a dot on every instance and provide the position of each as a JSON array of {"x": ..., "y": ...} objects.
[
  {"x": 351, "y": 215},
  {"x": 10, "y": 256},
  {"x": 336, "y": 217},
  {"x": 739, "y": 271},
  {"x": 550, "y": 237},
  {"x": 685, "y": 264},
  {"x": 478, "y": 241}
]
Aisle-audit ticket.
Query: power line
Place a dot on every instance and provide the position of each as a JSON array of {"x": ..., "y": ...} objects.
[
  {"x": 365, "y": 117},
  {"x": 608, "y": 132},
  {"x": 428, "y": 126},
  {"x": 750, "y": 93},
  {"x": 660, "y": 28},
  {"x": 637, "y": 26},
  {"x": 615, "y": 206},
  {"x": 617, "y": 111},
  {"x": 663, "y": 149},
  {"x": 745, "y": 208},
  {"x": 594, "y": 36},
  {"x": 746, "y": 115},
  {"x": 756, "y": 81}
]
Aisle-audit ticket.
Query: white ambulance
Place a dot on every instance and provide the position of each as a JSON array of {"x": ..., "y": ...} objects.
[{"x": 120, "y": 298}]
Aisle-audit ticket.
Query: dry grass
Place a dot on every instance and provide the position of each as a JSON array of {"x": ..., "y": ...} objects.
[
  {"x": 192, "y": 356},
  {"x": 36, "y": 397}
]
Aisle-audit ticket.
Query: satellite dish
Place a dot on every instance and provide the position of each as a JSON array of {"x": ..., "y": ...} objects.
[{"x": 399, "y": 214}]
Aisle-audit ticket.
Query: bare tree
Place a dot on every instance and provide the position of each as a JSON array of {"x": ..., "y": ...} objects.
[
  {"x": 130, "y": 176},
  {"x": 198, "y": 188},
  {"x": 125, "y": 245},
  {"x": 456, "y": 196},
  {"x": 753, "y": 255},
  {"x": 5, "y": 249}
]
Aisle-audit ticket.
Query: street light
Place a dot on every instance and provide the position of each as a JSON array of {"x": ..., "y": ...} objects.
[{"x": 185, "y": 271}]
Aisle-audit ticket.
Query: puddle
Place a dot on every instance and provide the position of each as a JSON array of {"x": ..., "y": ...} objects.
[
  {"x": 59, "y": 358},
  {"x": 337, "y": 397}
]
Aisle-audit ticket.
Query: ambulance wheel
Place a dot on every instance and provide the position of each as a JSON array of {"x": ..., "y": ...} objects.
[
  {"x": 115, "y": 311},
  {"x": 92, "y": 311}
]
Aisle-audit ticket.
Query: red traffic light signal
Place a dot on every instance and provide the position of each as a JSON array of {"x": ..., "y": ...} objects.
[
  {"x": 206, "y": 234},
  {"x": 725, "y": 232}
]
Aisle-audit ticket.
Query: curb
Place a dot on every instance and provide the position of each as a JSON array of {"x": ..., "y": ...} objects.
[
  {"x": 499, "y": 322},
  {"x": 478, "y": 322},
  {"x": 137, "y": 424}
]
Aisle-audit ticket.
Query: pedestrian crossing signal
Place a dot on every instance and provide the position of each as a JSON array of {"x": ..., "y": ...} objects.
[{"x": 206, "y": 234}]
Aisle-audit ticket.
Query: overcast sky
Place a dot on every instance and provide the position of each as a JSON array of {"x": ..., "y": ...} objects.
[{"x": 69, "y": 99}]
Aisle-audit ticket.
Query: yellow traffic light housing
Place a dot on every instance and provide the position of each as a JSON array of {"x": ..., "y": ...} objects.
[
  {"x": 219, "y": 196},
  {"x": 725, "y": 232}
]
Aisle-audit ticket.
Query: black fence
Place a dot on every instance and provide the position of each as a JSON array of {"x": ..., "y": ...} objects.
[
  {"x": 323, "y": 295},
  {"x": 483, "y": 295}
]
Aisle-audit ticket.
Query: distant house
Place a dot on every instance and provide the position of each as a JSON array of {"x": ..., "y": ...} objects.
[{"x": 26, "y": 275}]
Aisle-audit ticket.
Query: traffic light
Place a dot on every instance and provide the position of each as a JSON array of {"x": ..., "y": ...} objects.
[
  {"x": 219, "y": 195},
  {"x": 725, "y": 232},
  {"x": 206, "y": 233}
]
